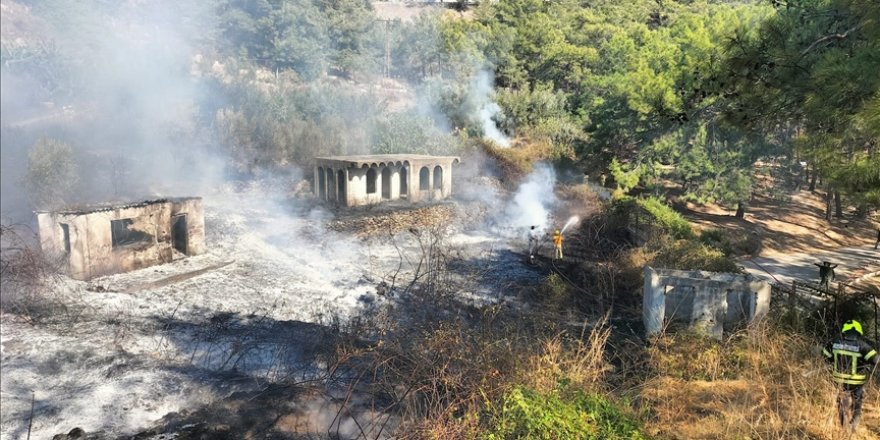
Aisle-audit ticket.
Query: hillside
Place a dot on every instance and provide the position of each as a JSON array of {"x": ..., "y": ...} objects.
[{"x": 327, "y": 306}]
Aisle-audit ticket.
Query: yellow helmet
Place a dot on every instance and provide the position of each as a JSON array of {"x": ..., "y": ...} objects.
[
  {"x": 852, "y": 324},
  {"x": 557, "y": 231}
]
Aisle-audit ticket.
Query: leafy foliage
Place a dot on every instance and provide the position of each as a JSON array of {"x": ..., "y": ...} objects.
[
  {"x": 666, "y": 217},
  {"x": 561, "y": 414},
  {"x": 52, "y": 173},
  {"x": 813, "y": 66}
]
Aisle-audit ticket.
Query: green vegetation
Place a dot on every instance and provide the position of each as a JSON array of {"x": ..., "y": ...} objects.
[
  {"x": 666, "y": 217},
  {"x": 561, "y": 414},
  {"x": 51, "y": 174},
  {"x": 684, "y": 96}
]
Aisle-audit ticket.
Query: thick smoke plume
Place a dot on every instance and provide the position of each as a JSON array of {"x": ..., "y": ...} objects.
[
  {"x": 532, "y": 203},
  {"x": 486, "y": 110}
]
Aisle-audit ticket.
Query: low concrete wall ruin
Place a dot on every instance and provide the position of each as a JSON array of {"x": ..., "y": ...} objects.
[
  {"x": 103, "y": 240},
  {"x": 711, "y": 301}
]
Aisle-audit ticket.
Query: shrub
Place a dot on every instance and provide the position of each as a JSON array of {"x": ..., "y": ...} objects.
[
  {"x": 51, "y": 174},
  {"x": 731, "y": 244},
  {"x": 666, "y": 217},
  {"x": 692, "y": 255},
  {"x": 625, "y": 176},
  {"x": 561, "y": 414}
]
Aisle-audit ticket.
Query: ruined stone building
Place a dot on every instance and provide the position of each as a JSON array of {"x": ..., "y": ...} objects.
[
  {"x": 711, "y": 301},
  {"x": 364, "y": 180},
  {"x": 103, "y": 240}
]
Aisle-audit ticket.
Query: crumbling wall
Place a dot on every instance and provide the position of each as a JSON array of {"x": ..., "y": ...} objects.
[
  {"x": 93, "y": 251},
  {"x": 195, "y": 222},
  {"x": 714, "y": 302},
  {"x": 103, "y": 258}
]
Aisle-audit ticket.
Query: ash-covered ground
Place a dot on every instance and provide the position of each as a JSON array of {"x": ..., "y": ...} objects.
[{"x": 123, "y": 351}]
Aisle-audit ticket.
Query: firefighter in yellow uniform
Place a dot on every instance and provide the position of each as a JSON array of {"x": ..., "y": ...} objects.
[
  {"x": 851, "y": 357},
  {"x": 557, "y": 242}
]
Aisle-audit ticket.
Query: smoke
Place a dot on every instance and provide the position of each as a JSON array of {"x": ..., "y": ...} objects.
[
  {"x": 532, "y": 203},
  {"x": 126, "y": 101},
  {"x": 485, "y": 110}
]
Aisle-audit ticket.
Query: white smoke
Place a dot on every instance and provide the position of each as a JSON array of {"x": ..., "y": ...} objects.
[
  {"x": 532, "y": 203},
  {"x": 486, "y": 110}
]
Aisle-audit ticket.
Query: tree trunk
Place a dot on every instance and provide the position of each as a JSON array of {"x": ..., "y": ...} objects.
[
  {"x": 829, "y": 199},
  {"x": 838, "y": 209},
  {"x": 813, "y": 180},
  {"x": 740, "y": 210}
]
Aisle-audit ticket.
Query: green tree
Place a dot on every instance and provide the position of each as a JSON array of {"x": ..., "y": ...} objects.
[
  {"x": 51, "y": 176},
  {"x": 813, "y": 67}
]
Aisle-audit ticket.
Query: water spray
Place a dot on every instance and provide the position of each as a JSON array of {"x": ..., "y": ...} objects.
[{"x": 574, "y": 219}]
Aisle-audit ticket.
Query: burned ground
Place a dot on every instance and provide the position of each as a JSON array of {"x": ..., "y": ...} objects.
[{"x": 262, "y": 309}]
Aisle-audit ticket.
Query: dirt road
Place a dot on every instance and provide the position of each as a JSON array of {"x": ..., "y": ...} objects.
[{"x": 853, "y": 263}]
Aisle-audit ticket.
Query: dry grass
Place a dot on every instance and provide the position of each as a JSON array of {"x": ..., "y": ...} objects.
[
  {"x": 581, "y": 362},
  {"x": 760, "y": 384}
]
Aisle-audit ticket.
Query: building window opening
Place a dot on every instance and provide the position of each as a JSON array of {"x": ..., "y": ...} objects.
[
  {"x": 123, "y": 235},
  {"x": 65, "y": 230},
  {"x": 438, "y": 177},
  {"x": 424, "y": 179},
  {"x": 371, "y": 181}
]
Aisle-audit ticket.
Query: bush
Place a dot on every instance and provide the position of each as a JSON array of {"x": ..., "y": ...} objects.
[
  {"x": 666, "y": 217},
  {"x": 742, "y": 244},
  {"x": 625, "y": 176},
  {"x": 51, "y": 174},
  {"x": 561, "y": 414},
  {"x": 692, "y": 255}
]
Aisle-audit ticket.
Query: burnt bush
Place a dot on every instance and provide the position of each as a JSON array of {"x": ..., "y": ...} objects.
[{"x": 28, "y": 279}]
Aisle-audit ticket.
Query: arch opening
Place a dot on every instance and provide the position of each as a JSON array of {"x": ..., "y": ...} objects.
[
  {"x": 424, "y": 179},
  {"x": 322, "y": 184},
  {"x": 386, "y": 183},
  {"x": 340, "y": 186},
  {"x": 371, "y": 181},
  {"x": 438, "y": 177}
]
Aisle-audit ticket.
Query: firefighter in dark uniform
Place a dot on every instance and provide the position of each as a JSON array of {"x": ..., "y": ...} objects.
[
  {"x": 851, "y": 360},
  {"x": 826, "y": 273}
]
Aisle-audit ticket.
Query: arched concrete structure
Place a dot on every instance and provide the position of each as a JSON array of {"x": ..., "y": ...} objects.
[{"x": 361, "y": 180}]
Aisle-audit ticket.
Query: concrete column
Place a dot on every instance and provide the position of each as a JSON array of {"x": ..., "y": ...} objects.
[
  {"x": 395, "y": 182},
  {"x": 315, "y": 187},
  {"x": 760, "y": 299},
  {"x": 414, "y": 182},
  {"x": 447, "y": 180},
  {"x": 653, "y": 302},
  {"x": 350, "y": 187},
  {"x": 430, "y": 182}
]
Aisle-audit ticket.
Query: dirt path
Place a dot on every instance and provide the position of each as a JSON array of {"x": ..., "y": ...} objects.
[
  {"x": 782, "y": 227},
  {"x": 854, "y": 264}
]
